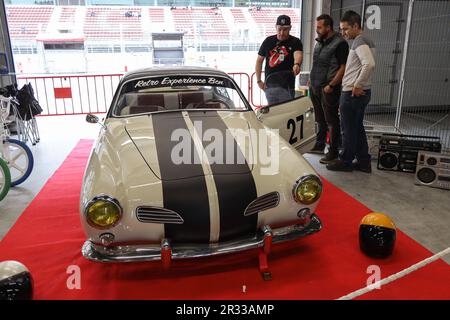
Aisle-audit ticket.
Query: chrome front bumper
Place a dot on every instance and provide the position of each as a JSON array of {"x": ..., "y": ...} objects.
[{"x": 135, "y": 253}]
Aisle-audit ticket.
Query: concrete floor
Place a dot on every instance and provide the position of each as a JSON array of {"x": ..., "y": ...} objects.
[{"x": 422, "y": 213}]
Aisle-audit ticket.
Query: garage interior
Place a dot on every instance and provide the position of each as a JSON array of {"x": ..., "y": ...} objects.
[{"x": 411, "y": 96}]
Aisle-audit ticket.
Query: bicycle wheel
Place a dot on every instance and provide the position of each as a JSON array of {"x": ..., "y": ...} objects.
[
  {"x": 20, "y": 160},
  {"x": 5, "y": 179}
]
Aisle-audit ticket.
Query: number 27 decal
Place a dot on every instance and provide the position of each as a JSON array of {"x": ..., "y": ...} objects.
[{"x": 292, "y": 125}]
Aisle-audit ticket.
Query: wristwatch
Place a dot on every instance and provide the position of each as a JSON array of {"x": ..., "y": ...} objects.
[
  {"x": 258, "y": 81},
  {"x": 298, "y": 64},
  {"x": 331, "y": 86}
]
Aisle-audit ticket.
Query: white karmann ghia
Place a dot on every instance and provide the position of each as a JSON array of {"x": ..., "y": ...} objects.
[{"x": 184, "y": 168}]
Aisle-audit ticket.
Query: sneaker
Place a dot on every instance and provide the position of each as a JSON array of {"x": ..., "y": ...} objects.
[
  {"x": 329, "y": 157},
  {"x": 364, "y": 168},
  {"x": 318, "y": 149},
  {"x": 339, "y": 165}
]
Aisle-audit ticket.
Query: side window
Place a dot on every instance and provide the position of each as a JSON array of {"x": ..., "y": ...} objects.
[{"x": 236, "y": 99}]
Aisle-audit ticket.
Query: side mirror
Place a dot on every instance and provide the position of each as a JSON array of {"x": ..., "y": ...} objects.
[
  {"x": 261, "y": 111},
  {"x": 265, "y": 110},
  {"x": 91, "y": 118}
]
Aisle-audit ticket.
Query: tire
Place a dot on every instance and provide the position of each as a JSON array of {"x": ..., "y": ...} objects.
[
  {"x": 5, "y": 179},
  {"x": 17, "y": 177}
]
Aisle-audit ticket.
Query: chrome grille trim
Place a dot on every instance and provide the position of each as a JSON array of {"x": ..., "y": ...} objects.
[
  {"x": 265, "y": 202},
  {"x": 158, "y": 215}
]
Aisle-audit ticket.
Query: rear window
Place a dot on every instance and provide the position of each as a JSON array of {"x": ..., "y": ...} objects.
[{"x": 169, "y": 93}]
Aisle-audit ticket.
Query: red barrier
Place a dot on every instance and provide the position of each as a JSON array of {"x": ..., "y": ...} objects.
[
  {"x": 73, "y": 94},
  {"x": 63, "y": 93},
  {"x": 243, "y": 81},
  {"x": 82, "y": 94},
  {"x": 257, "y": 98}
]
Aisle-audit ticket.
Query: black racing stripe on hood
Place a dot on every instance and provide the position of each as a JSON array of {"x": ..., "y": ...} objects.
[
  {"x": 186, "y": 196},
  {"x": 235, "y": 185}
]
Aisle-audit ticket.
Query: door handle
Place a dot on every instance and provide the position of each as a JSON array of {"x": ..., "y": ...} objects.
[{"x": 310, "y": 110}]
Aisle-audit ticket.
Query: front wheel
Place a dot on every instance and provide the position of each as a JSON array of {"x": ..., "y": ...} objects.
[
  {"x": 20, "y": 160},
  {"x": 5, "y": 179}
]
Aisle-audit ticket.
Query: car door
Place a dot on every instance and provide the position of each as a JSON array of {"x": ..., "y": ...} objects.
[{"x": 294, "y": 119}]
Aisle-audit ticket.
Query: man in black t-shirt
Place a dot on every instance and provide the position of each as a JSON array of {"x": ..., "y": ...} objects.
[{"x": 283, "y": 54}]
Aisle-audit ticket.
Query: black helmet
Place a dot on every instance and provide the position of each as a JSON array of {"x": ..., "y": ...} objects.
[
  {"x": 15, "y": 281},
  {"x": 377, "y": 234}
]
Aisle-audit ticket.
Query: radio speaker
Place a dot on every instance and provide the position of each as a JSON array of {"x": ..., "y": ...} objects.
[
  {"x": 433, "y": 170},
  {"x": 388, "y": 159},
  {"x": 373, "y": 141},
  {"x": 399, "y": 152}
]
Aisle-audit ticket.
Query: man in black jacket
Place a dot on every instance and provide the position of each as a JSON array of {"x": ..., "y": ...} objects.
[{"x": 329, "y": 60}]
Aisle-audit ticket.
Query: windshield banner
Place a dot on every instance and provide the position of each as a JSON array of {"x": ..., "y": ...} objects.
[{"x": 177, "y": 81}]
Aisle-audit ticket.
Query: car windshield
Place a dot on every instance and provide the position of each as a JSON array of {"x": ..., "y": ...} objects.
[{"x": 169, "y": 93}]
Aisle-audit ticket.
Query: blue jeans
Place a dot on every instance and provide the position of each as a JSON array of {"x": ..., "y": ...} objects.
[
  {"x": 354, "y": 139},
  {"x": 275, "y": 95},
  {"x": 280, "y": 86}
]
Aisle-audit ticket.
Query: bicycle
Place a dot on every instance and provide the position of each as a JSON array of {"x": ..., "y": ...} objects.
[
  {"x": 5, "y": 179},
  {"x": 15, "y": 153}
]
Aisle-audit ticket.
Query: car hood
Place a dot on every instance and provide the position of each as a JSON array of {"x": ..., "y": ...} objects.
[{"x": 181, "y": 145}]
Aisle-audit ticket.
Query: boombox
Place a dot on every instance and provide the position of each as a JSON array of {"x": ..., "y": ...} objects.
[
  {"x": 433, "y": 170},
  {"x": 373, "y": 140},
  {"x": 399, "y": 152}
]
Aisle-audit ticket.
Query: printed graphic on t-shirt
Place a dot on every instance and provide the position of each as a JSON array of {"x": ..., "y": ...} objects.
[{"x": 277, "y": 56}]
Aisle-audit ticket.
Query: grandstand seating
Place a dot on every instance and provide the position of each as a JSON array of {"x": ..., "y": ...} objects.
[
  {"x": 157, "y": 15},
  {"x": 206, "y": 23},
  {"x": 111, "y": 23},
  {"x": 183, "y": 20},
  {"x": 267, "y": 17},
  {"x": 67, "y": 15},
  {"x": 102, "y": 23},
  {"x": 238, "y": 16},
  {"x": 25, "y": 22}
]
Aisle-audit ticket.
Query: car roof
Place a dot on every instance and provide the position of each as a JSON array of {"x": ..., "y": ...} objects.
[{"x": 170, "y": 71}]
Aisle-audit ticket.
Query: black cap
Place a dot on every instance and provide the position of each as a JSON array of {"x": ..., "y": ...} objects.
[{"x": 283, "y": 20}]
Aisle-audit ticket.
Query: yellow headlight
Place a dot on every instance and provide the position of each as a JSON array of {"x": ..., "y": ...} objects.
[
  {"x": 307, "y": 189},
  {"x": 103, "y": 212}
]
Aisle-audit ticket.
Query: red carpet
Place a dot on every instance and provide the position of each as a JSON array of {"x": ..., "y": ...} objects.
[{"x": 48, "y": 238}]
